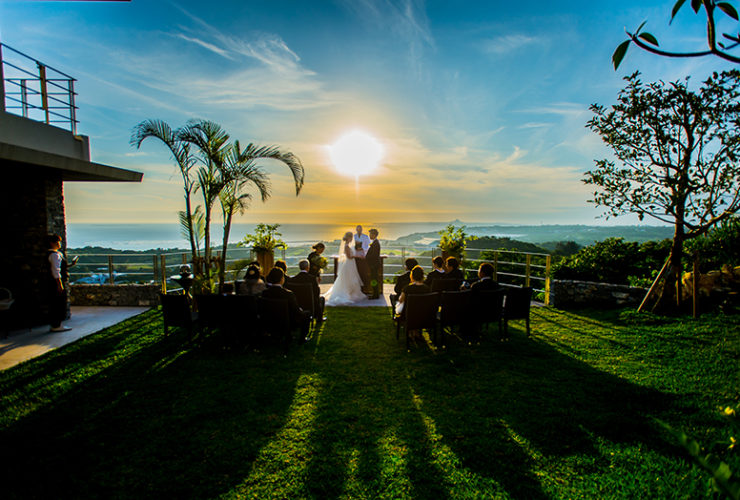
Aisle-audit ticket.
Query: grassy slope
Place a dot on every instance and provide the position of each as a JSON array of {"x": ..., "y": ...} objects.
[{"x": 566, "y": 414}]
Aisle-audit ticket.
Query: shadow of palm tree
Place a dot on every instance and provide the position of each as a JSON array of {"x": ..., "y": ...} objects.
[{"x": 174, "y": 420}]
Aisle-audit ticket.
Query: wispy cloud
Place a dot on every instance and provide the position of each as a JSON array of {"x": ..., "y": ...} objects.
[
  {"x": 209, "y": 46},
  {"x": 405, "y": 19},
  {"x": 506, "y": 44}
]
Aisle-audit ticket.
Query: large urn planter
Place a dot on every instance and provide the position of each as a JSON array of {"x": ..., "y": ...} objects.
[{"x": 266, "y": 261}]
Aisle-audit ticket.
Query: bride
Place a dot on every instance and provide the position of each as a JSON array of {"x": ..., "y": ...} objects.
[{"x": 347, "y": 289}]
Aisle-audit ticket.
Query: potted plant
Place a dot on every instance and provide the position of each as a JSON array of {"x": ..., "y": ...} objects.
[
  {"x": 452, "y": 242},
  {"x": 264, "y": 241}
]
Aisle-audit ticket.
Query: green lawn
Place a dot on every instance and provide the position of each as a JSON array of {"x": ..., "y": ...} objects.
[{"x": 568, "y": 413}]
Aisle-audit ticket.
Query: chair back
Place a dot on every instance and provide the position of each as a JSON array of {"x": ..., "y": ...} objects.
[
  {"x": 517, "y": 302},
  {"x": 240, "y": 317},
  {"x": 456, "y": 308},
  {"x": 210, "y": 309},
  {"x": 446, "y": 285},
  {"x": 304, "y": 295},
  {"x": 274, "y": 315},
  {"x": 175, "y": 310},
  {"x": 488, "y": 305},
  {"x": 421, "y": 311}
]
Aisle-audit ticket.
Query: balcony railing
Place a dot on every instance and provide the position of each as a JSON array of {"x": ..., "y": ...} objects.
[
  {"x": 35, "y": 90},
  {"x": 510, "y": 267}
]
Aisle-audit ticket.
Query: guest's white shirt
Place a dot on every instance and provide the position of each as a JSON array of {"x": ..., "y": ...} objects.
[{"x": 365, "y": 240}]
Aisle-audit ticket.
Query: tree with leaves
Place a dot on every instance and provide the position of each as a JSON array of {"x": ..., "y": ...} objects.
[
  {"x": 717, "y": 46},
  {"x": 241, "y": 171},
  {"x": 677, "y": 153},
  {"x": 159, "y": 129}
]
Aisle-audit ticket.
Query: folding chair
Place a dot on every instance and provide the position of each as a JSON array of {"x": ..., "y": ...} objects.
[{"x": 274, "y": 315}]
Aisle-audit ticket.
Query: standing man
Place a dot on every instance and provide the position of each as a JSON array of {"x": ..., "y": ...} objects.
[
  {"x": 57, "y": 294},
  {"x": 362, "y": 244},
  {"x": 374, "y": 264}
]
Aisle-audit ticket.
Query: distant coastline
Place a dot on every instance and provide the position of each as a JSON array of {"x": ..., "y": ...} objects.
[{"x": 155, "y": 236}]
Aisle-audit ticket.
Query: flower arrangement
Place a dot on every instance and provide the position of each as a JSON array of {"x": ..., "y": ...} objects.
[
  {"x": 265, "y": 239},
  {"x": 454, "y": 240}
]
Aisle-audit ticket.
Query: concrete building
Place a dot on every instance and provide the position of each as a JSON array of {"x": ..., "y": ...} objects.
[{"x": 36, "y": 159}]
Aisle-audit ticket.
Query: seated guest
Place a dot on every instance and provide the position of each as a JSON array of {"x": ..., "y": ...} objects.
[
  {"x": 253, "y": 284},
  {"x": 438, "y": 272},
  {"x": 304, "y": 276},
  {"x": 415, "y": 287},
  {"x": 402, "y": 281},
  {"x": 281, "y": 264},
  {"x": 485, "y": 281},
  {"x": 452, "y": 269},
  {"x": 298, "y": 317}
]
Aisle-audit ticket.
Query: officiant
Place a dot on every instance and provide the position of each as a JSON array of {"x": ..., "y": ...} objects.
[{"x": 362, "y": 245}]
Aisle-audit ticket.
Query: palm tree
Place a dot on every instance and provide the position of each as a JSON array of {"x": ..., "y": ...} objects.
[
  {"x": 240, "y": 171},
  {"x": 211, "y": 140},
  {"x": 180, "y": 150}
]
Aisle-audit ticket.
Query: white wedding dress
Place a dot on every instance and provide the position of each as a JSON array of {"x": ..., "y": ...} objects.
[{"x": 347, "y": 289}]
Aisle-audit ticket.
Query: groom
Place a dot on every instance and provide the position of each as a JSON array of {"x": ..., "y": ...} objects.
[
  {"x": 362, "y": 244},
  {"x": 373, "y": 262}
]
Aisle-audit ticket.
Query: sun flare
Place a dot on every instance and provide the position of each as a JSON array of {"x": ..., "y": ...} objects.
[{"x": 356, "y": 153}]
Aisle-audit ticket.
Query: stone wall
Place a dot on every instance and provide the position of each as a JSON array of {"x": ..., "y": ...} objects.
[
  {"x": 115, "y": 295},
  {"x": 31, "y": 206},
  {"x": 569, "y": 294}
]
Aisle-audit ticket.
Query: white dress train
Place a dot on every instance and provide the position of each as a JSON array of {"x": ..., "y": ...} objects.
[{"x": 347, "y": 289}]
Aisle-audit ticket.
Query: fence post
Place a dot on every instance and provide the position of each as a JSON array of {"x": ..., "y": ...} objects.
[
  {"x": 336, "y": 264},
  {"x": 72, "y": 108},
  {"x": 2, "y": 81},
  {"x": 495, "y": 265},
  {"x": 110, "y": 270},
  {"x": 526, "y": 277},
  {"x": 548, "y": 263},
  {"x": 694, "y": 299},
  {"x": 155, "y": 272},
  {"x": 184, "y": 258},
  {"x": 163, "y": 265},
  {"x": 44, "y": 93}
]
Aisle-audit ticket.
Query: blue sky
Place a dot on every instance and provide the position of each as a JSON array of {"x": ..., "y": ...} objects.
[{"x": 480, "y": 106}]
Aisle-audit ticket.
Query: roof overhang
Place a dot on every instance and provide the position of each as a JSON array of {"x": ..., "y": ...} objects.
[{"x": 71, "y": 169}]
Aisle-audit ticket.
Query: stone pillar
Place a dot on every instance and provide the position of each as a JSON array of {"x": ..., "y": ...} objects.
[{"x": 32, "y": 206}]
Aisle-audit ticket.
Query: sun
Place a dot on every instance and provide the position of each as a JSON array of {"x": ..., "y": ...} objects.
[{"x": 356, "y": 153}]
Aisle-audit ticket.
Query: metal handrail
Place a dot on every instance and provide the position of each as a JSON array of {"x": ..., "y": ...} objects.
[{"x": 43, "y": 82}]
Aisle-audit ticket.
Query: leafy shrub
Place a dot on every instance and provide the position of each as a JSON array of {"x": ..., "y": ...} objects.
[
  {"x": 615, "y": 261},
  {"x": 718, "y": 247}
]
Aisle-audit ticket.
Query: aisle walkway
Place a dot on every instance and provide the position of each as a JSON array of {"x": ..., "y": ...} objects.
[
  {"x": 25, "y": 344},
  {"x": 383, "y": 301}
]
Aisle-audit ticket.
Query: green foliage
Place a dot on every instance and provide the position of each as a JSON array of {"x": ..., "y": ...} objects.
[
  {"x": 194, "y": 225},
  {"x": 648, "y": 42},
  {"x": 265, "y": 238},
  {"x": 614, "y": 261},
  {"x": 454, "y": 240},
  {"x": 722, "y": 478},
  {"x": 718, "y": 247}
]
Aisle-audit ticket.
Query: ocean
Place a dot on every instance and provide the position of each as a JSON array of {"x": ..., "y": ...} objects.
[
  {"x": 149, "y": 236},
  {"x": 154, "y": 236}
]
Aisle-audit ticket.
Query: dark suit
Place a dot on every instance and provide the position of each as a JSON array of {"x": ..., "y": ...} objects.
[
  {"x": 318, "y": 300},
  {"x": 373, "y": 261},
  {"x": 298, "y": 317},
  {"x": 484, "y": 284},
  {"x": 434, "y": 275},
  {"x": 455, "y": 274}
]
